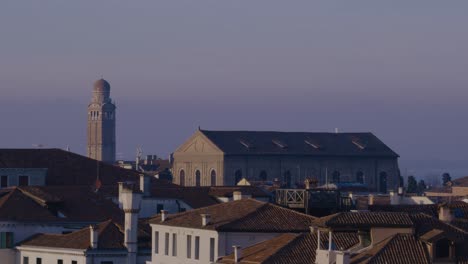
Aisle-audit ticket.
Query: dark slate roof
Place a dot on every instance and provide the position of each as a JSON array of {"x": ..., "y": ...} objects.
[
  {"x": 365, "y": 219},
  {"x": 110, "y": 236},
  {"x": 299, "y": 143},
  {"x": 400, "y": 248},
  {"x": 67, "y": 168},
  {"x": 292, "y": 249},
  {"x": 247, "y": 215}
]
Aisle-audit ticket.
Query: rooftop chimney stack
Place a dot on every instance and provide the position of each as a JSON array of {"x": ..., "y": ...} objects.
[
  {"x": 394, "y": 198},
  {"x": 131, "y": 206},
  {"x": 445, "y": 214},
  {"x": 400, "y": 190},
  {"x": 93, "y": 235},
  {"x": 237, "y": 254},
  {"x": 164, "y": 214},
  {"x": 206, "y": 219},
  {"x": 236, "y": 196},
  {"x": 371, "y": 199},
  {"x": 145, "y": 183}
]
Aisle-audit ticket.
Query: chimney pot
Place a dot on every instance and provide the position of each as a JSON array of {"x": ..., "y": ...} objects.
[
  {"x": 93, "y": 235},
  {"x": 237, "y": 254},
  {"x": 164, "y": 214},
  {"x": 371, "y": 199}
]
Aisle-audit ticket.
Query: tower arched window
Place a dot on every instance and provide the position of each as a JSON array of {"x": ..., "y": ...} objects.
[
  {"x": 213, "y": 178},
  {"x": 237, "y": 176},
  {"x": 263, "y": 175},
  {"x": 360, "y": 177},
  {"x": 197, "y": 178},
  {"x": 336, "y": 176},
  {"x": 182, "y": 178}
]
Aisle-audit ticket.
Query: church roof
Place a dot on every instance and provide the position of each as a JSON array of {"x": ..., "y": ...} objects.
[
  {"x": 299, "y": 143},
  {"x": 101, "y": 85}
]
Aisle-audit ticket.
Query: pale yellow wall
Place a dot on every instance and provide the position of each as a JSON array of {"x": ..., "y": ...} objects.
[{"x": 379, "y": 234}]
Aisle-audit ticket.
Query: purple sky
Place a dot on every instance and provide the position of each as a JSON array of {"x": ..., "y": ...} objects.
[{"x": 398, "y": 69}]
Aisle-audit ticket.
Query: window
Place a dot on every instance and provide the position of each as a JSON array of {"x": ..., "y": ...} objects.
[
  {"x": 60, "y": 261},
  {"x": 38, "y": 261},
  {"x": 6, "y": 240},
  {"x": 263, "y": 175},
  {"x": 23, "y": 181},
  {"x": 360, "y": 177},
  {"x": 189, "y": 246},
  {"x": 174, "y": 245},
  {"x": 4, "y": 181},
  {"x": 182, "y": 178},
  {"x": 336, "y": 176},
  {"x": 166, "y": 244},
  {"x": 25, "y": 260},
  {"x": 212, "y": 249},
  {"x": 197, "y": 178},
  {"x": 74, "y": 262},
  {"x": 156, "y": 242},
  {"x": 213, "y": 178},
  {"x": 238, "y": 176},
  {"x": 197, "y": 247}
]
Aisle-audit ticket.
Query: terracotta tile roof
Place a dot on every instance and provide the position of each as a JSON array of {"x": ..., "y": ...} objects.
[
  {"x": 400, "y": 249},
  {"x": 365, "y": 219},
  {"x": 429, "y": 209},
  {"x": 66, "y": 168},
  {"x": 247, "y": 215},
  {"x": 110, "y": 236},
  {"x": 56, "y": 204},
  {"x": 424, "y": 223},
  {"x": 292, "y": 249},
  {"x": 298, "y": 143}
]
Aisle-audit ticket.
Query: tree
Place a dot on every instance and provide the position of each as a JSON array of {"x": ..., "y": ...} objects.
[
  {"x": 412, "y": 185},
  {"x": 446, "y": 178},
  {"x": 421, "y": 187}
]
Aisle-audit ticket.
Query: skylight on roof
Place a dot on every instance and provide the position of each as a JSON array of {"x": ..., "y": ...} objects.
[
  {"x": 359, "y": 144},
  {"x": 312, "y": 144},
  {"x": 246, "y": 143},
  {"x": 279, "y": 143}
]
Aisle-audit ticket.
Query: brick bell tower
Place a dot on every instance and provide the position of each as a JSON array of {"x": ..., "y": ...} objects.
[{"x": 101, "y": 124}]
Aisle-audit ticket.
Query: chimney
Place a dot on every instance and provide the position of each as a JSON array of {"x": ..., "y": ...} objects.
[
  {"x": 145, "y": 183},
  {"x": 236, "y": 196},
  {"x": 120, "y": 194},
  {"x": 307, "y": 184},
  {"x": 206, "y": 219},
  {"x": 342, "y": 257},
  {"x": 93, "y": 236},
  {"x": 237, "y": 254},
  {"x": 164, "y": 214},
  {"x": 371, "y": 199},
  {"x": 445, "y": 214},
  {"x": 394, "y": 198},
  {"x": 400, "y": 190},
  {"x": 131, "y": 206}
]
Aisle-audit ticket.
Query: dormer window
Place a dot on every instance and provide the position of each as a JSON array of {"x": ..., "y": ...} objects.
[{"x": 279, "y": 144}]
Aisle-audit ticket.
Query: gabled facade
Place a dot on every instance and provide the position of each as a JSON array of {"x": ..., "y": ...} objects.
[{"x": 210, "y": 158}]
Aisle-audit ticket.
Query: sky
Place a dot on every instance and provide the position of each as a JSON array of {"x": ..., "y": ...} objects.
[{"x": 397, "y": 68}]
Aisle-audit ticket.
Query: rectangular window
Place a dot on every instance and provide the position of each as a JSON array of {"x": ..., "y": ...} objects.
[
  {"x": 25, "y": 260},
  {"x": 174, "y": 244},
  {"x": 60, "y": 261},
  {"x": 74, "y": 262},
  {"x": 197, "y": 247},
  {"x": 6, "y": 240},
  {"x": 156, "y": 242},
  {"x": 23, "y": 181},
  {"x": 166, "y": 249},
  {"x": 38, "y": 261},
  {"x": 4, "y": 181},
  {"x": 189, "y": 246},
  {"x": 212, "y": 249}
]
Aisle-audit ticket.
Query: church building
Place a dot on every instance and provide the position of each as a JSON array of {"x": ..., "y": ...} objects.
[
  {"x": 210, "y": 158},
  {"x": 101, "y": 124}
]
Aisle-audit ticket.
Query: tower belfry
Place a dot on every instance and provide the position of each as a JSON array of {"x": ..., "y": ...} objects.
[{"x": 101, "y": 124}]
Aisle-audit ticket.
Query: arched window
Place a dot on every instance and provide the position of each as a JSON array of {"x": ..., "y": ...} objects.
[
  {"x": 360, "y": 177},
  {"x": 182, "y": 178},
  {"x": 197, "y": 178},
  {"x": 263, "y": 175},
  {"x": 213, "y": 178},
  {"x": 287, "y": 179},
  {"x": 336, "y": 176},
  {"x": 383, "y": 182},
  {"x": 238, "y": 176}
]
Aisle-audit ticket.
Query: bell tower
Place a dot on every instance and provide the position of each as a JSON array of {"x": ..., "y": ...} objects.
[{"x": 101, "y": 124}]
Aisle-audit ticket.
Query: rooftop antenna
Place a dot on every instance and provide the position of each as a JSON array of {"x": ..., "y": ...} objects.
[{"x": 139, "y": 153}]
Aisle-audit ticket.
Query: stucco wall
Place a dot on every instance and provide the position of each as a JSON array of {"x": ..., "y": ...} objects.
[{"x": 37, "y": 176}]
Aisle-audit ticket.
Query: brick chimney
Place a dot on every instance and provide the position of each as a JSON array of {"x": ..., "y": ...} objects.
[{"x": 93, "y": 236}]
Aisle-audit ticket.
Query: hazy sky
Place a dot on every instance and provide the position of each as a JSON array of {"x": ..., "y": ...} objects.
[{"x": 395, "y": 68}]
